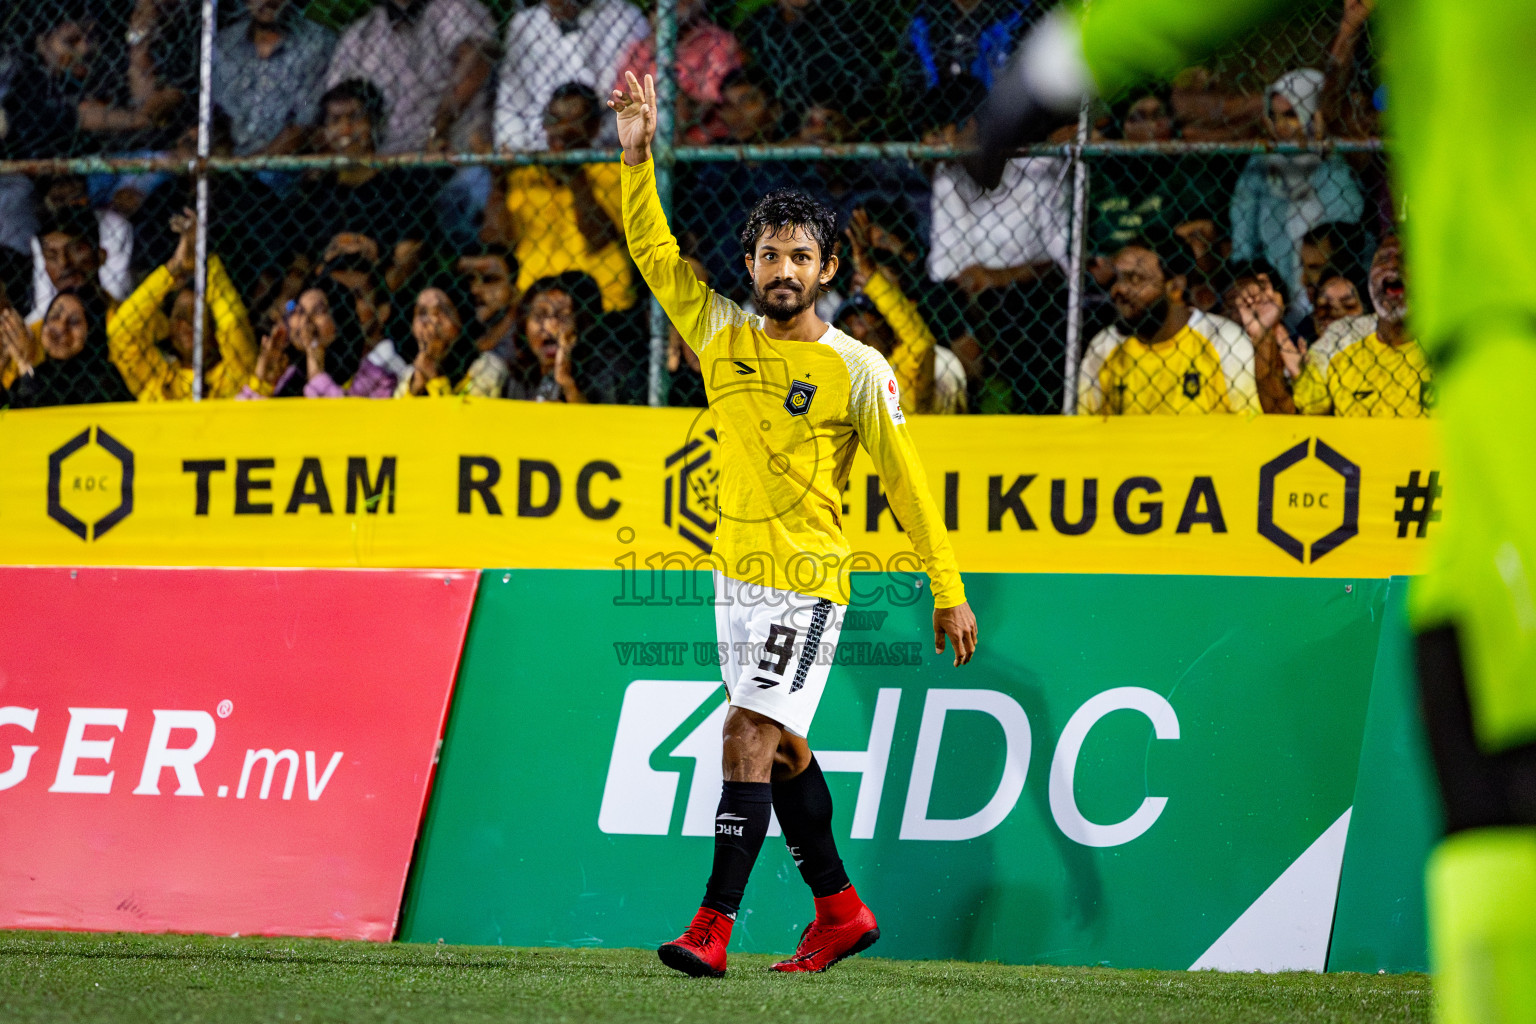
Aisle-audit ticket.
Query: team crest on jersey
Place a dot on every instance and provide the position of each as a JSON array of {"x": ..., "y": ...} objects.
[
  {"x": 799, "y": 398},
  {"x": 1192, "y": 384}
]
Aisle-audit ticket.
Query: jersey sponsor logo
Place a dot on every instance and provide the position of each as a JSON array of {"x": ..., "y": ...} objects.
[
  {"x": 892, "y": 396},
  {"x": 1192, "y": 384},
  {"x": 725, "y": 374},
  {"x": 798, "y": 401}
]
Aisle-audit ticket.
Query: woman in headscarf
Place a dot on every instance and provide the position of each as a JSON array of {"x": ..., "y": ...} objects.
[
  {"x": 77, "y": 370},
  {"x": 1280, "y": 197},
  {"x": 319, "y": 348}
]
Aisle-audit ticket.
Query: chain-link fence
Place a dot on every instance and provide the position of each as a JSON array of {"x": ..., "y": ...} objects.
[{"x": 420, "y": 197}]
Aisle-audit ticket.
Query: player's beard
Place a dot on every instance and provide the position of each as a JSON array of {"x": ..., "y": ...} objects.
[
  {"x": 776, "y": 307},
  {"x": 1147, "y": 323}
]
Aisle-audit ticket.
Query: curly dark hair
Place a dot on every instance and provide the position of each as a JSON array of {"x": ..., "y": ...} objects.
[{"x": 785, "y": 209}]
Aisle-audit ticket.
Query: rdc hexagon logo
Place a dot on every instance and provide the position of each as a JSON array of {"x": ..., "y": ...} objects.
[
  {"x": 1320, "y": 499},
  {"x": 692, "y": 489},
  {"x": 90, "y": 483}
]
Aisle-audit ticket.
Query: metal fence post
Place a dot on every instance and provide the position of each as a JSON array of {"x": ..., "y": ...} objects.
[
  {"x": 663, "y": 155},
  {"x": 1077, "y": 265},
  {"x": 204, "y": 145}
]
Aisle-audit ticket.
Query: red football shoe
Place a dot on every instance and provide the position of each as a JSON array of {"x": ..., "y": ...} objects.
[
  {"x": 700, "y": 953},
  {"x": 843, "y": 926}
]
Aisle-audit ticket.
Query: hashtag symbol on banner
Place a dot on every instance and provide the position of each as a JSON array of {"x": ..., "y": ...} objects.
[{"x": 1418, "y": 504}]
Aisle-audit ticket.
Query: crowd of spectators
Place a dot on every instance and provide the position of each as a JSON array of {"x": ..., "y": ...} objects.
[{"x": 1269, "y": 282}]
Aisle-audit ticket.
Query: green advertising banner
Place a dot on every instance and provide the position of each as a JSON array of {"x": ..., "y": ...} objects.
[
  {"x": 1141, "y": 771},
  {"x": 1380, "y": 924}
]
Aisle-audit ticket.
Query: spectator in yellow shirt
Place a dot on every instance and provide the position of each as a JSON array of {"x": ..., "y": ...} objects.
[
  {"x": 1161, "y": 356},
  {"x": 883, "y": 317},
  {"x": 1370, "y": 368},
  {"x": 15, "y": 270},
  {"x": 139, "y": 328},
  {"x": 563, "y": 217}
]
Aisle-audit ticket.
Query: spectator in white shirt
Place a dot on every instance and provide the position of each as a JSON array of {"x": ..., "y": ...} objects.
[
  {"x": 555, "y": 42},
  {"x": 113, "y": 244},
  {"x": 431, "y": 59},
  {"x": 990, "y": 239},
  {"x": 1006, "y": 251}
]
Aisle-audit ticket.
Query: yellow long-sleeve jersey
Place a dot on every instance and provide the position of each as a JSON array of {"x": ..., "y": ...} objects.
[
  {"x": 788, "y": 417},
  {"x": 916, "y": 349},
  {"x": 135, "y": 328}
]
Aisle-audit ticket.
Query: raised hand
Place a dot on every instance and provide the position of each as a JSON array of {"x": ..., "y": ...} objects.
[
  {"x": 15, "y": 340},
  {"x": 636, "y": 110},
  {"x": 1357, "y": 11},
  {"x": 183, "y": 260},
  {"x": 858, "y": 247},
  {"x": 1259, "y": 307},
  {"x": 272, "y": 360},
  {"x": 1261, "y": 313},
  {"x": 565, "y": 371}
]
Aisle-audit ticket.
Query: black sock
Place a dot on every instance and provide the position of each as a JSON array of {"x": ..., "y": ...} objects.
[
  {"x": 804, "y": 807},
  {"x": 741, "y": 822}
]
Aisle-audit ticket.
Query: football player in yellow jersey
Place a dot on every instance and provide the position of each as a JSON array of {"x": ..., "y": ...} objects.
[
  {"x": 1385, "y": 373},
  {"x": 791, "y": 398},
  {"x": 1162, "y": 357}
]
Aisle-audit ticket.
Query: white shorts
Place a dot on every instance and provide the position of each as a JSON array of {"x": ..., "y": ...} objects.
[{"x": 776, "y": 649}]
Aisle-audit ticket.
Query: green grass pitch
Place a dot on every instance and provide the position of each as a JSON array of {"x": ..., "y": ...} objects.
[{"x": 63, "y": 976}]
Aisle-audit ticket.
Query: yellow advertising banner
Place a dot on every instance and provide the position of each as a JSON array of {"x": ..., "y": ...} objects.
[{"x": 483, "y": 483}]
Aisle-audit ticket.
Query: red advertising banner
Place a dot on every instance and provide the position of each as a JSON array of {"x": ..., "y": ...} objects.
[{"x": 219, "y": 750}]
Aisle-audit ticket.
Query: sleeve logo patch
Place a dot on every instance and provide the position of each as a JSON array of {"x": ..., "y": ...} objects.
[
  {"x": 798, "y": 401},
  {"x": 893, "y": 401}
]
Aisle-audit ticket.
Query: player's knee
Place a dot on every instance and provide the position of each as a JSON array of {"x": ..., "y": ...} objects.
[
  {"x": 749, "y": 736},
  {"x": 791, "y": 758}
]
